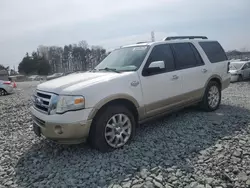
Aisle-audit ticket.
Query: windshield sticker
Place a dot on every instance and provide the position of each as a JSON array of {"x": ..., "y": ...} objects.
[{"x": 139, "y": 48}]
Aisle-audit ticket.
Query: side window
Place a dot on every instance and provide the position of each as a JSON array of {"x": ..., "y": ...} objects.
[
  {"x": 214, "y": 51},
  {"x": 162, "y": 52},
  {"x": 184, "y": 55}
]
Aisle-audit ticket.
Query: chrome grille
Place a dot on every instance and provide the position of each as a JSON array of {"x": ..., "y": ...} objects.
[{"x": 41, "y": 101}]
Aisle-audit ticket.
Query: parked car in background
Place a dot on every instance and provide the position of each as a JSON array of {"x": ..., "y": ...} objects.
[
  {"x": 239, "y": 70},
  {"x": 53, "y": 76},
  {"x": 34, "y": 78},
  {"x": 133, "y": 84},
  {"x": 5, "y": 87}
]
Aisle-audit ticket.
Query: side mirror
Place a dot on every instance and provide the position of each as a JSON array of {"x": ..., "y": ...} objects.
[{"x": 155, "y": 66}]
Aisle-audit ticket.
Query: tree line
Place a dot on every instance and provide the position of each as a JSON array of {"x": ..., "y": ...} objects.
[
  {"x": 74, "y": 57},
  {"x": 70, "y": 58}
]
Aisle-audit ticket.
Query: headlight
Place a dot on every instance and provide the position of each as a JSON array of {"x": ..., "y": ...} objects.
[{"x": 68, "y": 103}]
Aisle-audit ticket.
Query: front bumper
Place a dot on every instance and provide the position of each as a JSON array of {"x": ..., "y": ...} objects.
[
  {"x": 68, "y": 128},
  {"x": 225, "y": 83},
  {"x": 234, "y": 77},
  {"x": 9, "y": 89}
]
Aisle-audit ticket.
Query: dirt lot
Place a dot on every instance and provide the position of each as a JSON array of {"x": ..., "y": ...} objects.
[{"x": 191, "y": 149}]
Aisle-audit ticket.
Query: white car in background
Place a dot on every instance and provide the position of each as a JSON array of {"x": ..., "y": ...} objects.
[
  {"x": 5, "y": 87},
  {"x": 34, "y": 77},
  {"x": 53, "y": 76},
  {"x": 239, "y": 70}
]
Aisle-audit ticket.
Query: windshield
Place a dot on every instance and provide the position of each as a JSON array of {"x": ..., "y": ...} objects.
[
  {"x": 124, "y": 59},
  {"x": 235, "y": 66}
]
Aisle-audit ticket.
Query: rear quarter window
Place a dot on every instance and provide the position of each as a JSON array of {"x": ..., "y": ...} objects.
[{"x": 214, "y": 51}]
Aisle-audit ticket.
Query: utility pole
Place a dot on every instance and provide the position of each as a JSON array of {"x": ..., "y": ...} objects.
[{"x": 152, "y": 36}]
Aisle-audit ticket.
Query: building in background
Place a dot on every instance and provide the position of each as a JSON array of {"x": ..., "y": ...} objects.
[{"x": 4, "y": 75}]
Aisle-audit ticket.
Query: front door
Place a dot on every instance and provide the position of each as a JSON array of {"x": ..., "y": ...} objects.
[{"x": 161, "y": 89}]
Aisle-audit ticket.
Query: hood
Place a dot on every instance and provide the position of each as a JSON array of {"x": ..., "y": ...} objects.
[
  {"x": 60, "y": 84},
  {"x": 233, "y": 71}
]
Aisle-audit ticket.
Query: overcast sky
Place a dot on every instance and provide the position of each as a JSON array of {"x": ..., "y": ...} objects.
[{"x": 26, "y": 24}]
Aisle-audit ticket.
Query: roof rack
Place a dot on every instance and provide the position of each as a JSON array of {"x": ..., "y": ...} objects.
[{"x": 185, "y": 37}]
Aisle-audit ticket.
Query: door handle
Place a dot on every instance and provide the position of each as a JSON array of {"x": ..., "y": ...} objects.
[
  {"x": 204, "y": 70},
  {"x": 175, "y": 77}
]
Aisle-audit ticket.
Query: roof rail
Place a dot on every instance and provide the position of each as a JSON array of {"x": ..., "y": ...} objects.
[
  {"x": 141, "y": 42},
  {"x": 185, "y": 37}
]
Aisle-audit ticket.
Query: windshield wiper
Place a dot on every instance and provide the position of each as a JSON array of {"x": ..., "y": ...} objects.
[
  {"x": 93, "y": 70},
  {"x": 110, "y": 69}
]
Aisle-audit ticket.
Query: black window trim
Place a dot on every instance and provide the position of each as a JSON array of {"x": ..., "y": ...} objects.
[
  {"x": 194, "y": 48},
  {"x": 148, "y": 62}
]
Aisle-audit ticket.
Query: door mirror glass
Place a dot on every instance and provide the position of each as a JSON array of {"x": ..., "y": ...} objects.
[
  {"x": 157, "y": 64},
  {"x": 155, "y": 67}
]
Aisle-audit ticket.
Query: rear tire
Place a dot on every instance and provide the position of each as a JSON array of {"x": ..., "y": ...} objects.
[
  {"x": 112, "y": 128},
  {"x": 2, "y": 92},
  {"x": 212, "y": 97}
]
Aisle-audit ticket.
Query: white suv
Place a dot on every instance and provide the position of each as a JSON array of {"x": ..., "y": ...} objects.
[{"x": 131, "y": 85}]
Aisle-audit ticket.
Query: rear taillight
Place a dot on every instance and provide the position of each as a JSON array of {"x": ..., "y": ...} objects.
[
  {"x": 7, "y": 83},
  {"x": 228, "y": 64}
]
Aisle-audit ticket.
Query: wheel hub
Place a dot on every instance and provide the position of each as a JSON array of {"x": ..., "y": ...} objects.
[
  {"x": 213, "y": 96},
  {"x": 118, "y": 130}
]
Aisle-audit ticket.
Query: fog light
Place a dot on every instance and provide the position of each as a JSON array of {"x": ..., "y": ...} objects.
[{"x": 58, "y": 129}]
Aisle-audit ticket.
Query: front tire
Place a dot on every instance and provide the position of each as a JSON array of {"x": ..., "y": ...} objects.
[
  {"x": 212, "y": 97},
  {"x": 2, "y": 92},
  {"x": 240, "y": 78},
  {"x": 112, "y": 128}
]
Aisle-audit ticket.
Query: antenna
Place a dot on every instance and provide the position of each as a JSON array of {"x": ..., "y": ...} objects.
[{"x": 152, "y": 36}]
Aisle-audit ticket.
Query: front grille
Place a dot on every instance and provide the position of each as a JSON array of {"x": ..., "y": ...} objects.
[
  {"x": 42, "y": 101},
  {"x": 38, "y": 121}
]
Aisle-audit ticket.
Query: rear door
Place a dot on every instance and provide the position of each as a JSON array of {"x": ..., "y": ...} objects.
[{"x": 192, "y": 69}]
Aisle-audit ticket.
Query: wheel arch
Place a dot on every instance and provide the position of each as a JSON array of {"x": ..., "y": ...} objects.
[
  {"x": 123, "y": 99},
  {"x": 4, "y": 90},
  {"x": 215, "y": 78}
]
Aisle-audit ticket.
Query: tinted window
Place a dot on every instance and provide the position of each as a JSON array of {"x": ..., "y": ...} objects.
[
  {"x": 184, "y": 55},
  {"x": 164, "y": 53},
  {"x": 214, "y": 51}
]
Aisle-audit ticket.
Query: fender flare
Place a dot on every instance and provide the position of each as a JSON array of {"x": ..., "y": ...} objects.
[{"x": 108, "y": 99}]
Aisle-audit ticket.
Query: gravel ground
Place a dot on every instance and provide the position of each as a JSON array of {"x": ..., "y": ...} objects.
[{"x": 190, "y": 149}]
